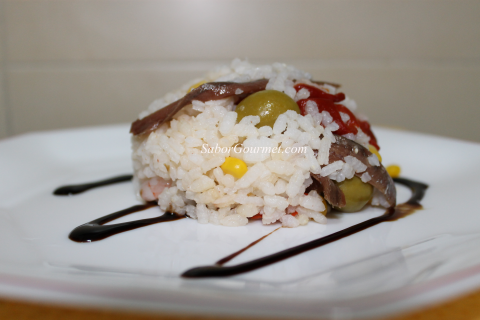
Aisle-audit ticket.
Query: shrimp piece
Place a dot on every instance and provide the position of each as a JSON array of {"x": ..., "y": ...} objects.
[{"x": 151, "y": 189}]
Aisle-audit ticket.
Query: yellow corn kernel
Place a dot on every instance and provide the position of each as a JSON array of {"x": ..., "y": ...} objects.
[
  {"x": 235, "y": 167},
  {"x": 324, "y": 212},
  {"x": 393, "y": 170},
  {"x": 196, "y": 85},
  {"x": 374, "y": 150}
]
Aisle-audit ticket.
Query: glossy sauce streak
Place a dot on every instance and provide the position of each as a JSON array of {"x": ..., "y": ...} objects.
[
  {"x": 79, "y": 188},
  {"x": 96, "y": 230},
  {"x": 401, "y": 210},
  {"x": 233, "y": 255}
]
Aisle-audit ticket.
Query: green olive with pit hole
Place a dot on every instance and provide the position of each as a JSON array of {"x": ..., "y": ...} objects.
[
  {"x": 357, "y": 194},
  {"x": 268, "y": 105}
]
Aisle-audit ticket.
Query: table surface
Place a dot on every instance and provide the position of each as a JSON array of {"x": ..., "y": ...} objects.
[{"x": 466, "y": 307}]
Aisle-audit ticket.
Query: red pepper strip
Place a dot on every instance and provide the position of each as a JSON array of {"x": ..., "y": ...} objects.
[
  {"x": 317, "y": 93},
  {"x": 334, "y": 110},
  {"x": 328, "y": 102}
]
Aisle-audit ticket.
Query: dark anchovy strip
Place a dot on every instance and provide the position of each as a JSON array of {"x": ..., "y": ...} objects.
[
  {"x": 206, "y": 92},
  {"x": 380, "y": 178},
  {"x": 330, "y": 190}
]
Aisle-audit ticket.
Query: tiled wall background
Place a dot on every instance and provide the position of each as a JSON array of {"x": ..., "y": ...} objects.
[{"x": 411, "y": 64}]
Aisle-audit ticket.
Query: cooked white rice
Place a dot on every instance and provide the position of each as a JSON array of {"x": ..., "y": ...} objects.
[{"x": 274, "y": 184}]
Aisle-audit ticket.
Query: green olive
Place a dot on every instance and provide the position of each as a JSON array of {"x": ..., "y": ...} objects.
[
  {"x": 268, "y": 104},
  {"x": 357, "y": 194}
]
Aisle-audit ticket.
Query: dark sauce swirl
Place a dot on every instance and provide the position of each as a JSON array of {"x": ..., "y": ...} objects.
[
  {"x": 79, "y": 188},
  {"x": 233, "y": 255},
  {"x": 96, "y": 230},
  {"x": 393, "y": 213}
]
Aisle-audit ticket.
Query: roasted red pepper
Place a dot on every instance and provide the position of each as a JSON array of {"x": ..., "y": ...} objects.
[{"x": 329, "y": 102}]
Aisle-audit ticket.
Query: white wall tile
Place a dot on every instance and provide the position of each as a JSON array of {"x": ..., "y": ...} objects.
[
  {"x": 50, "y": 99},
  {"x": 431, "y": 100},
  {"x": 213, "y": 29},
  {"x": 3, "y": 110},
  {"x": 441, "y": 101},
  {"x": 3, "y": 105},
  {"x": 76, "y": 62},
  {"x": 2, "y": 30}
]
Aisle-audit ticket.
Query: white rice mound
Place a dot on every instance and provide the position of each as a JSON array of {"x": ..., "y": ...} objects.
[{"x": 274, "y": 184}]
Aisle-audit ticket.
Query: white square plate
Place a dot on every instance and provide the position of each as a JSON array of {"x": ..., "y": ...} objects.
[{"x": 394, "y": 266}]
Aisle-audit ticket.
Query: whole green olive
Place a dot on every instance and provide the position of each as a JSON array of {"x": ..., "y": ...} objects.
[
  {"x": 268, "y": 104},
  {"x": 357, "y": 194}
]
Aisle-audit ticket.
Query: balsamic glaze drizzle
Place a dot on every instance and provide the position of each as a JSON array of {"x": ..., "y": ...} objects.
[
  {"x": 233, "y": 255},
  {"x": 79, "y": 188},
  {"x": 96, "y": 230},
  {"x": 413, "y": 204}
]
